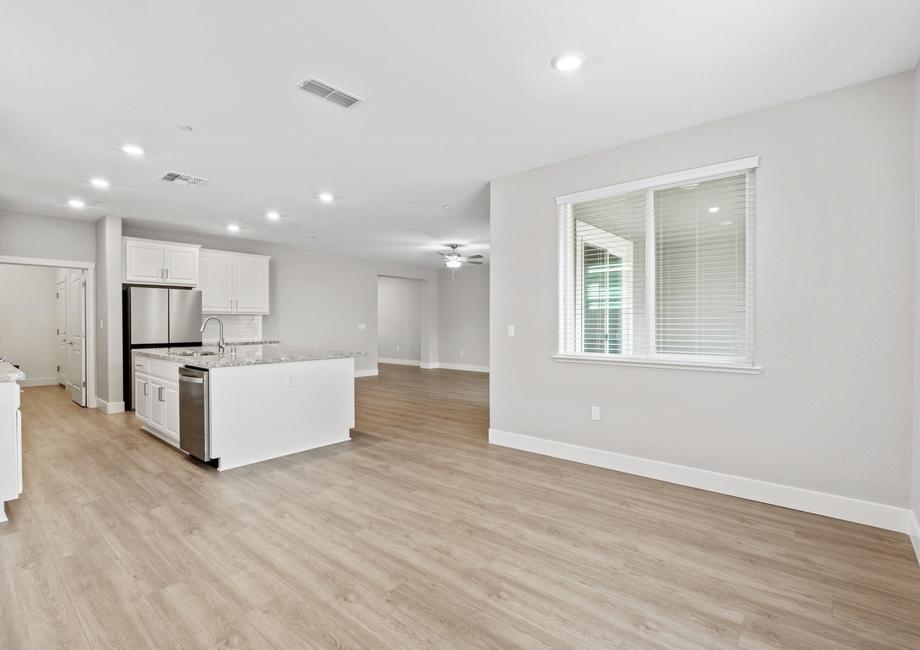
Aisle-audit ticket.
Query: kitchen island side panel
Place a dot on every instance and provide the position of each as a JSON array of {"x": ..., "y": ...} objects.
[{"x": 265, "y": 411}]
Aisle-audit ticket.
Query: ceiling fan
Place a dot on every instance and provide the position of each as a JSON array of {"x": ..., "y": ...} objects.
[{"x": 453, "y": 259}]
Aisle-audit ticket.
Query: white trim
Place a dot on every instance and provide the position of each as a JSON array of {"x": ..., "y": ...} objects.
[
  {"x": 399, "y": 362},
  {"x": 372, "y": 372},
  {"x": 914, "y": 531},
  {"x": 463, "y": 366},
  {"x": 428, "y": 366},
  {"x": 109, "y": 408},
  {"x": 41, "y": 261},
  {"x": 38, "y": 381},
  {"x": 714, "y": 366},
  {"x": 819, "y": 503},
  {"x": 696, "y": 175}
]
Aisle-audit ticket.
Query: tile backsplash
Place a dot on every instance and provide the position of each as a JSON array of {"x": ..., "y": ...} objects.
[{"x": 237, "y": 327}]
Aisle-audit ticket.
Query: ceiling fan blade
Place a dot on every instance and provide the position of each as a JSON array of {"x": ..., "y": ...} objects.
[
  {"x": 474, "y": 262},
  {"x": 474, "y": 257}
]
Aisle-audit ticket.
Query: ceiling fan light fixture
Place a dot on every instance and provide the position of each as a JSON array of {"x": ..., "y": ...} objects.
[{"x": 453, "y": 263}]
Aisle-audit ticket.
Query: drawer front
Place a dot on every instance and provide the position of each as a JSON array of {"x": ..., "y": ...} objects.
[{"x": 165, "y": 370}]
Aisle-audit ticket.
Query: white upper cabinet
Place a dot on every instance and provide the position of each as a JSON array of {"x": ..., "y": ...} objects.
[
  {"x": 234, "y": 283},
  {"x": 215, "y": 282},
  {"x": 155, "y": 262},
  {"x": 250, "y": 276}
]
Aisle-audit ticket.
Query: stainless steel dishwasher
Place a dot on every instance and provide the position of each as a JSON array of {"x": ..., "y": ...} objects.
[{"x": 194, "y": 420}]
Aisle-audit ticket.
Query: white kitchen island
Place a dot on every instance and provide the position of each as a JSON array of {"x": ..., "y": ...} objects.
[{"x": 266, "y": 401}]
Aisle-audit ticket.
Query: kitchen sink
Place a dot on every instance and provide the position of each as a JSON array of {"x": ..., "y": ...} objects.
[{"x": 194, "y": 353}]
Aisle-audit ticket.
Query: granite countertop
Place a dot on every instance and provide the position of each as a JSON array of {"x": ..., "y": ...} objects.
[
  {"x": 9, "y": 372},
  {"x": 243, "y": 355}
]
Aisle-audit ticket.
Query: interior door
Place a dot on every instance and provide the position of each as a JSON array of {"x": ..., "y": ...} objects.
[
  {"x": 60, "y": 317},
  {"x": 76, "y": 336}
]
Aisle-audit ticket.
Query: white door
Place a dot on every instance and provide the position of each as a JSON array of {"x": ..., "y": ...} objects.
[
  {"x": 251, "y": 285},
  {"x": 144, "y": 262},
  {"x": 215, "y": 282},
  {"x": 76, "y": 336},
  {"x": 60, "y": 317},
  {"x": 180, "y": 264}
]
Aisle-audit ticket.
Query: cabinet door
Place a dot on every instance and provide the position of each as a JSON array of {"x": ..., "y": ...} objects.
[
  {"x": 141, "y": 397},
  {"x": 171, "y": 408},
  {"x": 181, "y": 264},
  {"x": 157, "y": 404},
  {"x": 215, "y": 281},
  {"x": 144, "y": 262},
  {"x": 250, "y": 285}
]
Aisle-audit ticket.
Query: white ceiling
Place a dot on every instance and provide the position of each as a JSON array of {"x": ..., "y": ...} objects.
[{"x": 458, "y": 92}]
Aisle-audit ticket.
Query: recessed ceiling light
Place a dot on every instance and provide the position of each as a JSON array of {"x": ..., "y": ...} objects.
[
  {"x": 714, "y": 209},
  {"x": 568, "y": 61},
  {"x": 132, "y": 149},
  {"x": 233, "y": 227},
  {"x": 76, "y": 203},
  {"x": 726, "y": 222},
  {"x": 101, "y": 183},
  {"x": 274, "y": 216},
  {"x": 326, "y": 197}
]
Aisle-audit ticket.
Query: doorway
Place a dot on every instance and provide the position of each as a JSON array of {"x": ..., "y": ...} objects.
[
  {"x": 46, "y": 316},
  {"x": 399, "y": 321}
]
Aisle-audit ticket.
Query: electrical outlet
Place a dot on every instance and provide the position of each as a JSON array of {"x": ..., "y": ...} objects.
[
  {"x": 595, "y": 413},
  {"x": 511, "y": 331},
  {"x": 397, "y": 348},
  {"x": 362, "y": 326},
  {"x": 461, "y": 353},
  {"x": 291, "y": 380}
]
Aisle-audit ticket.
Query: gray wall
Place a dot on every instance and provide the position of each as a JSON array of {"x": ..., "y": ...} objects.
[
  {"x": 26, "y": 235},
  {"x": 27, "y": 319},
  {"x": 318, "y": 300},
  {"x": 915, "y": 474},
  {"x": 109, "y": 363},
  {"x": 832, "y": 409},
  {"x": 464, "y": 316},
  {"x": 398, "y": 319}
]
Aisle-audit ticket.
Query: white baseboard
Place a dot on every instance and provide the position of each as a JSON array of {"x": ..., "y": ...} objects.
[
  {"x": 914, "y": 532},
  {"x": 454, "y": 366},
  {"x": 400, "y": 362},
  {"x": 109, "y": 408},
  {"x": 38, "y": 381},
  {"x": 819, "y": 503},
  {"x": 372, "y": 372}
]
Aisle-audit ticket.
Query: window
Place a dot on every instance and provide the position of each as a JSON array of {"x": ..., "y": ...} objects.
[{"x": 660, "y": 271}]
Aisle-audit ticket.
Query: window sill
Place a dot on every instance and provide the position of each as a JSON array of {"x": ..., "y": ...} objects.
[{"x": 737, "y": 368}]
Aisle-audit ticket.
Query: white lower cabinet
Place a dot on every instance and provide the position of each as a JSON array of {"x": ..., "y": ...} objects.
[
  {"x": 10, "y": 445},
  {"x": 156, "y": 401}
]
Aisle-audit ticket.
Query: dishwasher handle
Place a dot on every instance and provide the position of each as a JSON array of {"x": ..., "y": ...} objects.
[{"x": 191, "y": 380}]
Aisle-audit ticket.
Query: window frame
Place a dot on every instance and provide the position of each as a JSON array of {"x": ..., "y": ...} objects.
[{"x": 568, "y": 271}]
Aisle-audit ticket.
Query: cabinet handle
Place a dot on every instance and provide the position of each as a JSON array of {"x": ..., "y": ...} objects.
[
  {"x": 160, "y": 397},
  {"x": 166, "y": 273},
  {"x": 145, "y": 389}
]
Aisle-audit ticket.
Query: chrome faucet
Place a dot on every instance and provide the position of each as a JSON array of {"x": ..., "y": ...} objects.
[{"x": 220, "y": 341}]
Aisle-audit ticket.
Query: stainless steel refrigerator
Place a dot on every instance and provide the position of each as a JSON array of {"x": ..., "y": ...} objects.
[{"x": 156, "y": 317}]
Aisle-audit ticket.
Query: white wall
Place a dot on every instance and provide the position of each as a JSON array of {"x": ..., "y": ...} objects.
[
  {"x": 398, "y": 319},
  {"x": 318, "y": 300},
  {"x": 27, "y": 320},
  {"x": 27, "y": 235},
  {"x": 832, "y": 410},
  {"x": 464, "y": 317},
  {"x": 109, "y": 355}
]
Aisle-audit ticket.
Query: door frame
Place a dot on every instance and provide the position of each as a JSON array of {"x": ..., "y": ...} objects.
[{"x": 89, "y": 311}]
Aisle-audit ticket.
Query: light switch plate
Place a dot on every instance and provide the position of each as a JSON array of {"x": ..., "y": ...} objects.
[
  {"x": 511, "y": 331},
  {"x": 362, "y": 326}
]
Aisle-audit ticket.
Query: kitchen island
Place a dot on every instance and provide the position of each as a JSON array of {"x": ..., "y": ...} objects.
[
  {"x": 253, "y": 402},
  {"x": 10, "y": 435}
]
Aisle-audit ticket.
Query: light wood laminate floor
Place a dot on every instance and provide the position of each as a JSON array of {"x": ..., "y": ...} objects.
[{"x": 417, "y": 534}]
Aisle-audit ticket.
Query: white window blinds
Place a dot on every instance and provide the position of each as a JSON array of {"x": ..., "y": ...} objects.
[{"x": 660, "y": 269}]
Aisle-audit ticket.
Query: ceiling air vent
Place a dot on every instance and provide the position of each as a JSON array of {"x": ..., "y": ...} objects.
[
  {"x": 326, "y": 91},
  {"x": 183, "y": 179}
]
